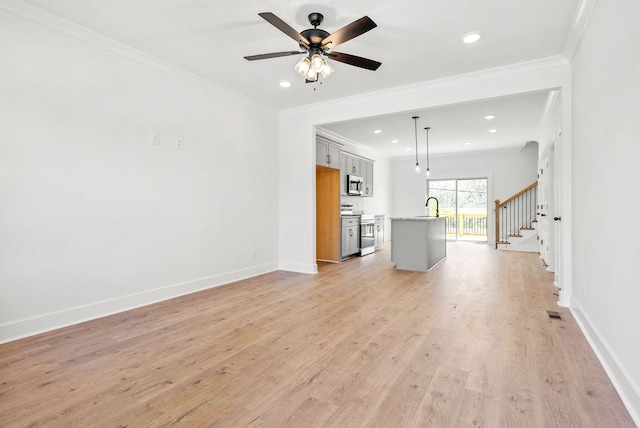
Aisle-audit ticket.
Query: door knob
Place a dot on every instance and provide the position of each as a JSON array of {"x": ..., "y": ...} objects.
[{"x": 557, "y": 218}]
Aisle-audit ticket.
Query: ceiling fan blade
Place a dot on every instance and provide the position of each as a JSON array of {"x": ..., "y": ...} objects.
[
  {"x": 285, "y": 28},
  {"x": 357, "y": 61},
  {"x": 272, "y": 55},
  {"x": 347, "y": 33}
]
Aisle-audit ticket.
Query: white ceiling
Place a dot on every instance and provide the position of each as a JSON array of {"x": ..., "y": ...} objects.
[
  {"x": 454, "y": 129},
  {"x": 416, "y": 41}
]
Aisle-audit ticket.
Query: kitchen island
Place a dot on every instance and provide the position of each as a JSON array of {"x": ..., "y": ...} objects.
[{"x": 418, "y": 243}]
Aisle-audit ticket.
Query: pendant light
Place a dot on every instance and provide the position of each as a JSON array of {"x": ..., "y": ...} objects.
[
  {"x": 427, "y": 129},
  {"x": 415, "y": 122}
]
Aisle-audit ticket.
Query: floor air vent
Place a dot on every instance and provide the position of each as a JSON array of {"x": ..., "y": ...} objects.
[{"x": 554, "y": 315}]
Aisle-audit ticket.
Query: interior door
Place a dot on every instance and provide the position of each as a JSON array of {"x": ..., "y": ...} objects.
[
  {"x": 557, "y": 205},
  {"x": 545, "y": 209}
]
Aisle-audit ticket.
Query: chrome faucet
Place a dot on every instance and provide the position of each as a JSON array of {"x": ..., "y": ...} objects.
[{"x": 437, "y": 205}]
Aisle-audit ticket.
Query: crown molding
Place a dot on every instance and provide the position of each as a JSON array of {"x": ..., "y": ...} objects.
[
  {"x": 475, "y": 77},
  {"x": 516, "y": 149},
  {"x": 54, "y": 22},
  {"x": 334, "y": 137},
  {"x": 579, "y": 26},
  {"x": 342, "y": 141}
]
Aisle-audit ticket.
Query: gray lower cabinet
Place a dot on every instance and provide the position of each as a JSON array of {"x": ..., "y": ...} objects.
[
  {"x": 378, "y": 231},
  {"x": 350, "y": 243},
  {"x": 418, "y": 243}
]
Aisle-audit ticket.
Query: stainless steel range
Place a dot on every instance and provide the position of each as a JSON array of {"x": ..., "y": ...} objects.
[{"x": 367, "y": 234}]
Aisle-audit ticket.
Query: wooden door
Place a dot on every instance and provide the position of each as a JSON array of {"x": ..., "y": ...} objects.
[{"x": 327, "y": 214}]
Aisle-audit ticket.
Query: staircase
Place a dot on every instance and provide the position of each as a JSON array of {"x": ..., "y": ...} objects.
[{"x": 516, "y": 221}]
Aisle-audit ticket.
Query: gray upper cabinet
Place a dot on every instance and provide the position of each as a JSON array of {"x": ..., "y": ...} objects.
[
  {"x": 367, "y": 169},
  {"x": 343, "y": 173},
  {"x": 354, "y": 166},
  {"x": 327, "y": 154}
]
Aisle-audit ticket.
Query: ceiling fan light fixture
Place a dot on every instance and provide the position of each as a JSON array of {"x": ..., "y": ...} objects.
[
  {"x": 303, "y": 66},
  {"x": 326, "y": 70},
  {"x": 316, "y": 43},
  {"x": 317, "y": 63},
  {"x": 311, "y": 75}
]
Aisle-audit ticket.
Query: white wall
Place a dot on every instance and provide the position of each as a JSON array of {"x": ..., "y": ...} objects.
[
  {"x": 95, "y": 219},
  {"x": 551, "y": 122},
  {"x": 606, "y": 108},
  {"x": 508, "y": 173}
]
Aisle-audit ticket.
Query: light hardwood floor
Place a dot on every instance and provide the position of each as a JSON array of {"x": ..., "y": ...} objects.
[{"x": 358, "y": 345}]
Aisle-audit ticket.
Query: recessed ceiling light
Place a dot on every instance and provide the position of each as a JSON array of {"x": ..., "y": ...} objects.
[
  {"x": 285, "y": 84},
  {"x": 468, "y": 143},
  {"x": 408, "y": 148},
  {"x": 493, "y": 130},
  {"x": 471, "y": 37},
  {"x": 490, "y": 116},
  {"x": 394, "y": 141},
  {"x": 377, "y": 131}
]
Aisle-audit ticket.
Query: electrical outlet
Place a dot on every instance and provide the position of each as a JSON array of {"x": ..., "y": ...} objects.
[
  {"x": 584, "y": 289},
  {"x": 155, "y": 139},
  {"x": 253, "y": 254},
  {"x": 179, "y": 144}
]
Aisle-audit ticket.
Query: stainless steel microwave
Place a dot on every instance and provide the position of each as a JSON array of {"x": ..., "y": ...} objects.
[{"x": 354, "y": 185}]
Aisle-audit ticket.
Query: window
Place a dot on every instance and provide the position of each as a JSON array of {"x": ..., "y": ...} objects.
[{"x": 464, "y": 203}]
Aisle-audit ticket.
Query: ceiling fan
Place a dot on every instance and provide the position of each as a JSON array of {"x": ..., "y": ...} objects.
[{"x": 317, "y": 43}]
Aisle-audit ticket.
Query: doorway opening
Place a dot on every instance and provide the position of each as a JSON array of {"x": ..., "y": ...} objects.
[{"x": 464, "y": 202}]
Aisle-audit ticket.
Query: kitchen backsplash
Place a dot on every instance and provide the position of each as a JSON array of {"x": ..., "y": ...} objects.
[{"x": 356, "y": 201}]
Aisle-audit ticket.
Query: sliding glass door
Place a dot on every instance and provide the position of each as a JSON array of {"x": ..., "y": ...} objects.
[{"x": 464, "y": 203}]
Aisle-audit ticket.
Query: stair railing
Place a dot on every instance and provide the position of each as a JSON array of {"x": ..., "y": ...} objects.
[{"x": 516, "y": 213}]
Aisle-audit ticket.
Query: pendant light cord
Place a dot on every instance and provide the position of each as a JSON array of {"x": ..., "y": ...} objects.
[
  {"x": 427, "y": 129},
  {"x": 415, "y": 122}
]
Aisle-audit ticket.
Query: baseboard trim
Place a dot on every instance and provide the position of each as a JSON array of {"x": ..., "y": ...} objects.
[
  {"x": 307, "y": 268},
  {"x": 53, "y": 321},
  {"x": 523, "y": 249},
  {"x": 629, "y": 392}
]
